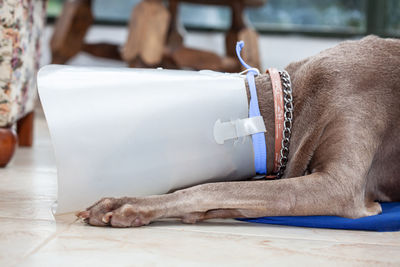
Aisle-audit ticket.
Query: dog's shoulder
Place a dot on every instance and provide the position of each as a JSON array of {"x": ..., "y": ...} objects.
[
  {"x": 369, "y": 48},
  {"x": 347, "y": 54},
  {"x": 357, "y": 61},
  {"x": 364, "y": 71}
]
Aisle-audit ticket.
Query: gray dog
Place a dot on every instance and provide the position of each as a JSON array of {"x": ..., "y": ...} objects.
[{"x": 344, "y": 150}]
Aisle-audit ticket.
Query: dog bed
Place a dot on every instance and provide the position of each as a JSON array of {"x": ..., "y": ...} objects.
[{"x": 387, "y": 221}]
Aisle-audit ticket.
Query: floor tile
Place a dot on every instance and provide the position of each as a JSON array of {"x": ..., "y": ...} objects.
[
  {"x": 151, "y": 246},
  {"x": 19, "y": 238},
  {"x": 28, "y": 184},
  {"x": 40, "y": 157},
  {"x": 288, "y": 232}
]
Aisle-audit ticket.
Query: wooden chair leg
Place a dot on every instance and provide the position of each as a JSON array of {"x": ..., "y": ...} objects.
[
  {"x": 237, "y": 24},
  {"x": 104, "y": 50},
  {"x": 250, "y": 52},
  {"x": 25, "y": 130},
  {"x": 240, "y": 31},
  {"x": 8, "y": 143},
  {"x": 70, "y": 30},
  {"x": 176, "y": 30},
  {"x": 148, "y": 29},
  {"x": 196, "y": 59}
]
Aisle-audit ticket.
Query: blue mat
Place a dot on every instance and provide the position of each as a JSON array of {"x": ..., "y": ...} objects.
[{"x": 387, "y": 221}]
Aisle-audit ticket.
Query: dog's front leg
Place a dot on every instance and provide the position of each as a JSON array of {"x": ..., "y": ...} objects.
[{"x": 315, "y": 194}]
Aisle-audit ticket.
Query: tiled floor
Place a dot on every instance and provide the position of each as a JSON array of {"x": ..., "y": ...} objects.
[{"x": 31, "y": 236}]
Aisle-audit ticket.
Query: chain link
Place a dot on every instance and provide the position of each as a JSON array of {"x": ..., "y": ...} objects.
[{"x": 287, "y": 124}]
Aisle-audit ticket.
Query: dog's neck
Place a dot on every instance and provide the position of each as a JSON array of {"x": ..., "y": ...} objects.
[{"x": 266, "y": 103}]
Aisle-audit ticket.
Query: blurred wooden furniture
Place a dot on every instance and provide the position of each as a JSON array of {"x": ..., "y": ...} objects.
[
  {"x": 21, "y": 27},
  {"x": 155, "y": 37}
]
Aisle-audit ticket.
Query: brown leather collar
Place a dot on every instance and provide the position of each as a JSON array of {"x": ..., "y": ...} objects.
[{"x": 279, "y": 117}]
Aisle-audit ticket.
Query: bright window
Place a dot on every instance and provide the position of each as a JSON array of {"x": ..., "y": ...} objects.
[{"x": 320, "y": 17}]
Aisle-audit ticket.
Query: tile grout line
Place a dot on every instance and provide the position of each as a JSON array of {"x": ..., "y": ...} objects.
[
  {"x": 280, "y": 237},
  {"x": 28, "y": 169},
  {"x": 27, "y": 219},
  {"x": 216, "y": 232},
  {"x": 45, "y": 242}
]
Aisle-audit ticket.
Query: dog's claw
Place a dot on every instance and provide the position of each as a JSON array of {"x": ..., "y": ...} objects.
[
  {"x": 82, "y": 214},
  {"x": 107, "y": 217}
]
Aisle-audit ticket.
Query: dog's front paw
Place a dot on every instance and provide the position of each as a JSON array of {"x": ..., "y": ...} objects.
[
  {"x": 128, "y": 215},
  {"x": 122, "y": 212}
]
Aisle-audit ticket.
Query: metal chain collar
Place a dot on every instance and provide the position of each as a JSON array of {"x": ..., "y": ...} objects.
[{"x": 287, "y": 124}]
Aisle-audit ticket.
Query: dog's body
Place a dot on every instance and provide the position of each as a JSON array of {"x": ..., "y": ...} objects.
[{"x": 344, "y": 151}]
